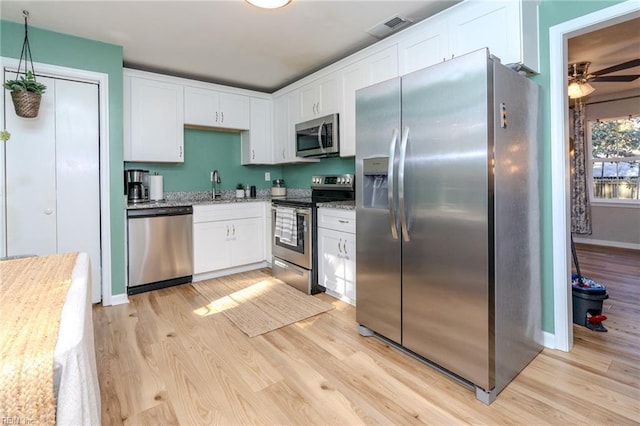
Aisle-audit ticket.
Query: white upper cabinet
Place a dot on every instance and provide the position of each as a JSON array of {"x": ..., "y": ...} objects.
[
  {"x": 153, "y": 120},
  {"x": 508, "y": 28},
  {"x": 286, "y": 115},
  {"x": 258, "y": 141},
  {"x": 322, "y": 97},
  {"x": 205, "y": 107},
  {"x": 425, "y": 47},
  {"x": 373, "y": 69}
]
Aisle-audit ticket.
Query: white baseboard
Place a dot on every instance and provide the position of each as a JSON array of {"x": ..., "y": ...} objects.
[
  {"x": 119, "y": 299},
  {"x": 548, "y": 340},
  {"x": 617, "y": 244},
  {"x": 229, "y": 271}
]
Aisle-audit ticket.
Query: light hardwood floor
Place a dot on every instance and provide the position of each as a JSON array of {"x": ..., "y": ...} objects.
[{"x": 160, "y": 363}]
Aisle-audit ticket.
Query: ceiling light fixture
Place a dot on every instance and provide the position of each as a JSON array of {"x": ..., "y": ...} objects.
[
  {"x": 577, "y": 89},
  {"x": 269, "y": 4},
  {"x": 578, "y": 84}
]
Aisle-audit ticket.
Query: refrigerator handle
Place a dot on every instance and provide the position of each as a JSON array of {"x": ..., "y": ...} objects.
[
  {"x": 390, "y": 192},
  {"x": 401, "y": 195}
]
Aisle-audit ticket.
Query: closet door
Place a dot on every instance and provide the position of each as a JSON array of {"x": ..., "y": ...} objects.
[
  {"x": 30, "y": 178},
  {"x": 77, "y": 173},
  {"x": 52, "y": 176}
]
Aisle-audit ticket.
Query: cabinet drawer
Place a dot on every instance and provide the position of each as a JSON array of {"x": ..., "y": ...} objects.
[
  {"x": 337, "y": 219},
  {"x": 243, "y": 210}
]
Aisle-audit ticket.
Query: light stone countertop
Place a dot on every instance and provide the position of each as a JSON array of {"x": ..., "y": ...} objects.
[
  {"x": 343, "y": 205},
  {"x": 197, "y": 198}
]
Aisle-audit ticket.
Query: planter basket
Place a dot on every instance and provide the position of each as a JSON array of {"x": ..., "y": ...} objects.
[{"x": 26, "y": 104}]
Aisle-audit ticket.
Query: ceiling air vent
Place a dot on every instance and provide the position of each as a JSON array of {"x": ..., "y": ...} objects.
[{"x": 389, "y": 26}]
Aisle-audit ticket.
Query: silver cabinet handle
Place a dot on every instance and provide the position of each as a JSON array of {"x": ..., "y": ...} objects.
[
  {"x": 339, "y": 248},
  {"x": 180, "y": 151},
  {"x": 222, "y": 117},
  {"x": 253, "y": 154},
  {"x": 283, "y": 153},
  {"x": 234, "y": 230},
  {"x": 343, "y": 221},
  {"x": 401, "y": 194},
  {"x": 227, "y": 230},
  {"x": 344, "y": 247},
  {"x": 48, "y": 211},
  {"x": 393, "y": 223},
  {"x": 216, "y": 116}
]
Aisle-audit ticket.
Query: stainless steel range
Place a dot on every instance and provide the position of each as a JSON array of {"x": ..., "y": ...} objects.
[{"x": 293, "y": 225}]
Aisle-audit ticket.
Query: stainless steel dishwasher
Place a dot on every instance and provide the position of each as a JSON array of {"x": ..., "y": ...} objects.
[{"x": 160, "y": 248}]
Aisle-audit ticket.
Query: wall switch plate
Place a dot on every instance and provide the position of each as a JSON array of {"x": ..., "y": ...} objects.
[
  {"x": 211, "y": 177},
  {"x": 267, "y": 176}
]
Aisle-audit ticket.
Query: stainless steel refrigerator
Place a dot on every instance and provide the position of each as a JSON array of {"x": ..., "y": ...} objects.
[{"x": 447, "y": 216}]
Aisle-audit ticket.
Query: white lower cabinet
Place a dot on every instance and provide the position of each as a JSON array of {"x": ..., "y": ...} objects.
[
  {"x": 337, "y": 253},
  {"x": 226, "y": 236}
]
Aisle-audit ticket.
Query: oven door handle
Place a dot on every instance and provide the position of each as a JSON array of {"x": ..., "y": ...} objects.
[{"x": 302, "y": 212}]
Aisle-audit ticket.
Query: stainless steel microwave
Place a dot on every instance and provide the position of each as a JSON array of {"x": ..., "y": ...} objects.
[{"x": 318, "y": 137}]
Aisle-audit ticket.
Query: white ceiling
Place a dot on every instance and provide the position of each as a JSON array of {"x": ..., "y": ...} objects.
[
  {"x": 605, "y": 48},
  {"x": 224, "y": 41}
]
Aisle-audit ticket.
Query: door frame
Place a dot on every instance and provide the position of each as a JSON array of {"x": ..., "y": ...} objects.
[
  {"x": 102, "y": 80},
  {"x": 560, "y": 193}
]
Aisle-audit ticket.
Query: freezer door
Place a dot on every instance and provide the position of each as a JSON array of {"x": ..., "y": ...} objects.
[
  {"x": 378, "y": 259},
  {"x": 445, "y": 250}
]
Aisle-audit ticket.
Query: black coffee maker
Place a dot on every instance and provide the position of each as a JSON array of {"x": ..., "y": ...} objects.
[{"x": 136, "y": 186}]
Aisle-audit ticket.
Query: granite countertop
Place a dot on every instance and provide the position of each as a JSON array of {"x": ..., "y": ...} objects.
[
  {"x": 178, "y": 199},
  {"x": 344, "y": 205},
  {"x": 200, "y": 198}
]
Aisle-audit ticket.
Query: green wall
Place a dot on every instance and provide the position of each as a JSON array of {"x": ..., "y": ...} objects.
[
  {"x": 74, "y": 52},
  {"x": 205, "y": 151},
  {"x": 552, "y": 13}
]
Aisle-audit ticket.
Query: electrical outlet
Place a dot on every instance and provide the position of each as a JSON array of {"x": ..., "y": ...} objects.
[
  {"x": 211, "y": 177},
  {"x": 267, "y": 176}
]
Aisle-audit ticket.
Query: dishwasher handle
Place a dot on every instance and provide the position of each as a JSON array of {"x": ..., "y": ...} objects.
[{"x": 160, "y": 211}]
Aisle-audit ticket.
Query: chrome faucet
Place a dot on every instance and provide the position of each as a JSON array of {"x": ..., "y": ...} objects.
[{"x": 215, "y": 180}]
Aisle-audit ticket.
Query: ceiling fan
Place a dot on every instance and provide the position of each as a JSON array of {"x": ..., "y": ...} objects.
[{"x": 579, "y": 77}]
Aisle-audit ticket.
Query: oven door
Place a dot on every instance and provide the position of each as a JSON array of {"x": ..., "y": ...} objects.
[{"x": 300, "y": 254}]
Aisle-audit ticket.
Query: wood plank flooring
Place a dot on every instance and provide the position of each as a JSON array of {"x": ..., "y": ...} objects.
[{"x": 160, "y": 363}]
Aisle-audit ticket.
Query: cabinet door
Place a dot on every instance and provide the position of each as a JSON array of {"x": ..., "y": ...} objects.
[
  {"x": 200, "y": 106},
  {"x": 349, "y": 257},
  {"x": 257, "y": 143},
  {"x": 283, "y": 130},
  {"x": 234, "y": 111},
  {"x": 211, "y": 246},
  {"x": 309, "y": 102},
  {"x": 496, "y": 25},
  {"x": 428, "y": 46},
  {"x": 373, "y": 69},
  {"x": 247, "y": 241},
  {"x": 330, "y": 98},
  {"x": 156, "y": 121},
  {"x": 331, "y": 262}
]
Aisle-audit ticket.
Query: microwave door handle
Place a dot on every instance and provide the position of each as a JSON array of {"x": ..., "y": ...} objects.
[
  {"x": 393, "y": 223},
  {"x": 320, "y": 144}
]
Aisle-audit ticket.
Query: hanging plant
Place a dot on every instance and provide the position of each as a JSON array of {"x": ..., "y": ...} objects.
[{"x": 26, "y": 92}]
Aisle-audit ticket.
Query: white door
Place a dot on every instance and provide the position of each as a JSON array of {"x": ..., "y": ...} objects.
[{"x": 52, "y": 176}]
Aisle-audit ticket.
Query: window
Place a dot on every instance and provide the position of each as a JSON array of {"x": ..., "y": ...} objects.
[{"x": 615, "y": 159}]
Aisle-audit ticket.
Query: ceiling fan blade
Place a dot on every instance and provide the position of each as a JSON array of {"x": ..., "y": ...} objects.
[
  {"x": 614, "y": 78},
  {"x": 623, "y": 66}
]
